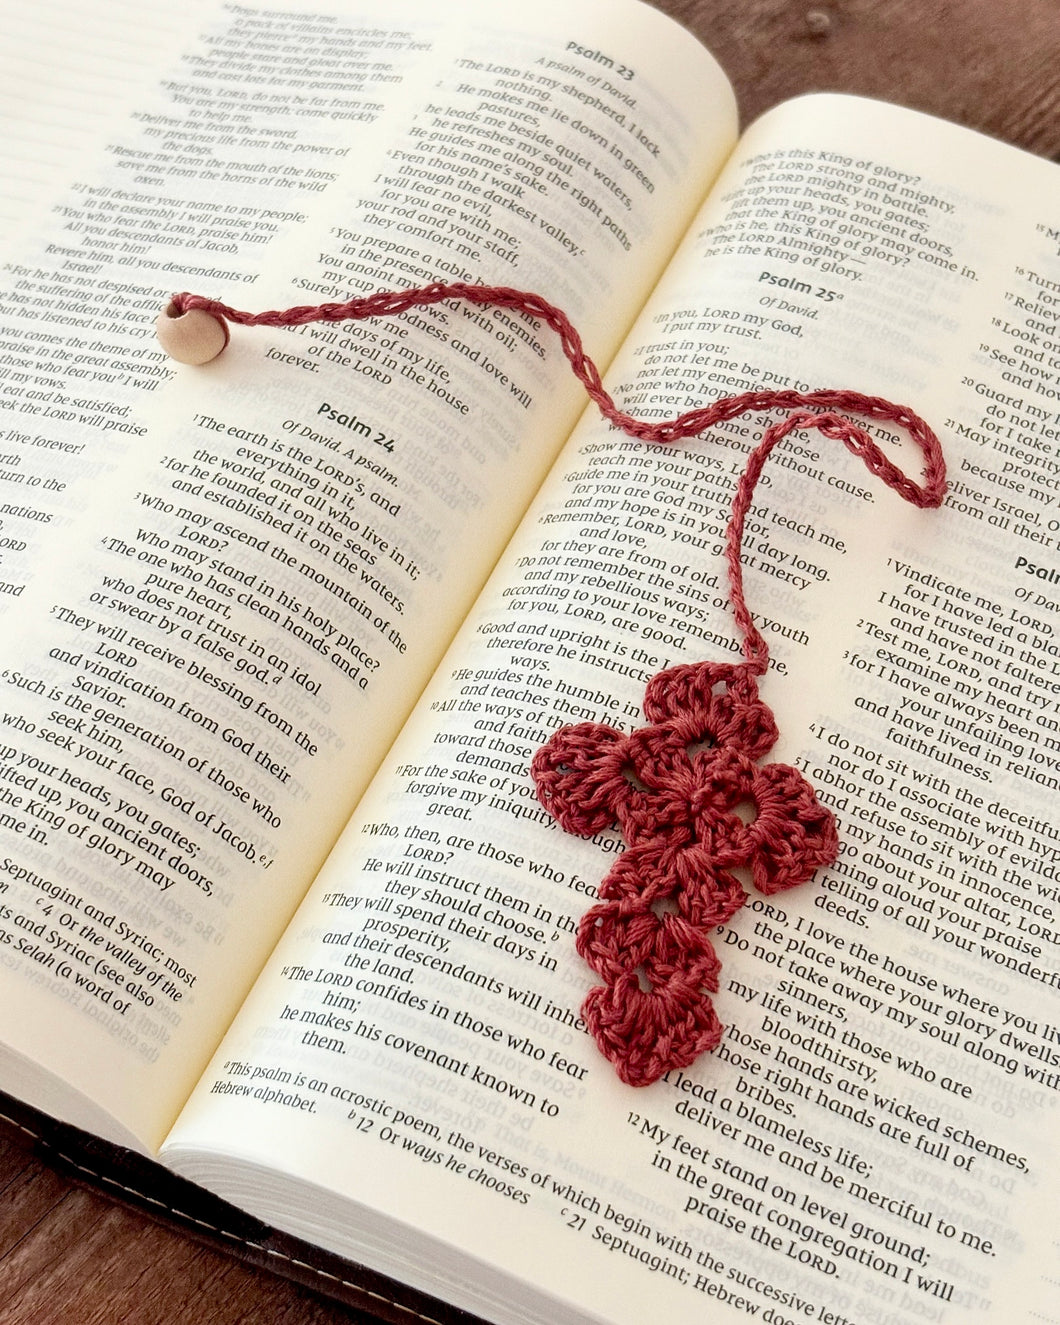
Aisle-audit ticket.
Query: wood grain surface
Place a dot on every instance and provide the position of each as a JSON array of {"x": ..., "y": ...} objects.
[
  {"x": 991, "y": 65},
  {"x": 69, "y": 1256}
]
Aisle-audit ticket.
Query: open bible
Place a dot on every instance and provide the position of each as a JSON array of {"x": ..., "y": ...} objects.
[{"x": 279, "y": 906}]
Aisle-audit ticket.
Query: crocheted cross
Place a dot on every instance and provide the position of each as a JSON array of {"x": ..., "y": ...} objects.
[
  {"x": 698, "y": 814},
  {"x": 695, "y": 808}
]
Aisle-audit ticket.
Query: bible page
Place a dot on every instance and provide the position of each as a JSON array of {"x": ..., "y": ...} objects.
[{"x": 223, "y": 588}]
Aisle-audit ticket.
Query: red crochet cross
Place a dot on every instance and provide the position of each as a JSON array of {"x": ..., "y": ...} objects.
[
  {"x": 694, "y": 809},
  {"x": 697, "y": 814}
]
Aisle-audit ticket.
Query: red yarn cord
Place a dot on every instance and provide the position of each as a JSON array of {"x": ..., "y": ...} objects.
[
  {"x": 812, "y": 409},
  {"x": 857, "y": 441}
]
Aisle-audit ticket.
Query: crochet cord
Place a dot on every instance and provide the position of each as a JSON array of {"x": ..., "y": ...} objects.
[
  {"x": 812, "y": 409},
  {"x": 857, "y": 441}
]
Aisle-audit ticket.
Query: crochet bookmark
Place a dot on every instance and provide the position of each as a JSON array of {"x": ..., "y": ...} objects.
[{"x": 699, "y": 814}]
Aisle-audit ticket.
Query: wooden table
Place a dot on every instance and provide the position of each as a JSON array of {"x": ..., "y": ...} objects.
[{"x": 68, "y": 1254}]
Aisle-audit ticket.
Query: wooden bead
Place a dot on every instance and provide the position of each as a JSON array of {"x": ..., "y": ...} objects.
[{"x": 193, "y": 337}]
